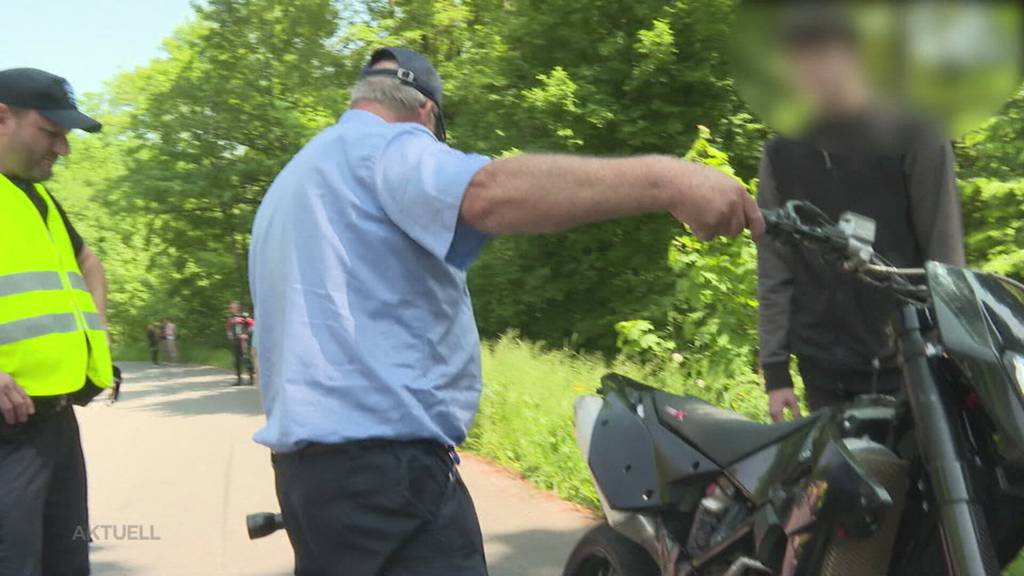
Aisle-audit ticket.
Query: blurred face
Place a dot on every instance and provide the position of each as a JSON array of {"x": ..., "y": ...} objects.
[
  {"x": 829, "y": 76},
  {"x": 30, "y": 144},
  {"x": 233, "y": 307}
]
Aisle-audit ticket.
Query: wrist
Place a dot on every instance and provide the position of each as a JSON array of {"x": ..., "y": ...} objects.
[{"x": 661, "y": 176}]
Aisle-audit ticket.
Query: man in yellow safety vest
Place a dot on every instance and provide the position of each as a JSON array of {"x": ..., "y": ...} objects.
[{"x": 54, "y": 350}]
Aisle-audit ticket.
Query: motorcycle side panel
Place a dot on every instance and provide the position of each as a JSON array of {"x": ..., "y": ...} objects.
[{"x": 638, "y": 465}]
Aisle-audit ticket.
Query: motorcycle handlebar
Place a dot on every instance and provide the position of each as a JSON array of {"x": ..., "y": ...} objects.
[{"x": 851, "y": 241}]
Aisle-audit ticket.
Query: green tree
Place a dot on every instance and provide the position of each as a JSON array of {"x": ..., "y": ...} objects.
[{"x": 202, "y": 132}]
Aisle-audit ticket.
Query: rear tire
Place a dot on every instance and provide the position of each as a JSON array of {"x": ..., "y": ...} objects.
[{"x": 605, "y": 552}]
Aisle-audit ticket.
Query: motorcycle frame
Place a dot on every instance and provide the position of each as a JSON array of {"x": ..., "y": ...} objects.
[{"x": 967, "y": 543}]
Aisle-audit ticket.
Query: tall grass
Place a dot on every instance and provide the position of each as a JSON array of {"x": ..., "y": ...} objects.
[{"x": 525, "y": 417}]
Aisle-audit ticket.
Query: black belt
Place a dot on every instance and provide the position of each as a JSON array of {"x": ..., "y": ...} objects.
[
  {"x": 317, "y": 448},
  {"x": 48, "y": 405}
]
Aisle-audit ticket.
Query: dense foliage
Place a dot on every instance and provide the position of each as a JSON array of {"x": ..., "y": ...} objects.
[{"x": 166, "y": 194}]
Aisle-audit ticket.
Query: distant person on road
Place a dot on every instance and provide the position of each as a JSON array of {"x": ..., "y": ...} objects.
[
  {"x": 54, "y": 349},
  {"x": 169, "y": 337},
  {"x": 368, "y": 349},
  {"x": 239, "y": 328},
  {"x": 153, "y": 338},
  {"x": 861, "y": 157}
]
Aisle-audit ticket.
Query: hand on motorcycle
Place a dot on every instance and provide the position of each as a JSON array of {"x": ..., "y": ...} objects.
[
  {"x": 716, "y": 204},
  {"x": 15, "y": 405},
  {"x": 779, "y": 400}
]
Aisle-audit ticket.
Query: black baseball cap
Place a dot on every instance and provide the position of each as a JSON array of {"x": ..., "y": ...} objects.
[
  {"x": 46, "y": 93},
  {"x": 414, "y": 70}
]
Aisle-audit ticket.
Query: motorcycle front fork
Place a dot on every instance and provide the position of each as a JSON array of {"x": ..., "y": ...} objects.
[{"x": 969, "y": 548}]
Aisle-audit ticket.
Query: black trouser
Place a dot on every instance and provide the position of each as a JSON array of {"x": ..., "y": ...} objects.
[
  {"x": 44, "y": 521},
  {"x": 243, "y": 357},
  {"x": 826, "y": 386},
  {"x": 154, "y": 352},
  {"x": 378, "y": 508}
]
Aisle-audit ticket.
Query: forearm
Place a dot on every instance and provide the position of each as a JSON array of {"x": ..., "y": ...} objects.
[
  {"x": 96, "y": 279},
  {"x": 537, "y": 193}
]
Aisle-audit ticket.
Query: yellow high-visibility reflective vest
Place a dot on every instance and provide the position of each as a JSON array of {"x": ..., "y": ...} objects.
[{"x": 51, "y": 336}]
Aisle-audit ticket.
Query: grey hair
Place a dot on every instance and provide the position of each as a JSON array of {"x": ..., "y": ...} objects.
[{"x": 390, "y": 92}]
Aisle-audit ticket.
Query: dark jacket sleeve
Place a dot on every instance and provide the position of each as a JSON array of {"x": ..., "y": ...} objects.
[
  {"x": 775, "y": 291},
  {"x": 935, "y": 202}
]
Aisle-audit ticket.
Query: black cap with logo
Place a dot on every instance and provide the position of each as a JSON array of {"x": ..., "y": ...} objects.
[
  {"x": 46, "y": 93},
  {"x": 414, "y": 70}
]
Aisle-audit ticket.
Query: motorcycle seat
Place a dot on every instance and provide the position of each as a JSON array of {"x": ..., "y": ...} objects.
[{"x": 722, "y": 435}]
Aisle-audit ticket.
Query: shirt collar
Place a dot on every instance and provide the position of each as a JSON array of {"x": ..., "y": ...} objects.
[
  {"x": 364, "y": 117},
  {"x": 352, "y": 116}
]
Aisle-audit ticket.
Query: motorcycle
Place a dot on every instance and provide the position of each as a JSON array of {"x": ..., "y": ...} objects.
[{"x": 929, "y": 481}]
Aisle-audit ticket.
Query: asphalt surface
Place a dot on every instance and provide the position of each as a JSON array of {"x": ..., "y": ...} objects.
[{"x": 173, "y": 471}]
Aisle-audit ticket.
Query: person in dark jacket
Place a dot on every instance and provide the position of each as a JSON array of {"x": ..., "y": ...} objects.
[
  {"x": 858, "y": 156},
  {"x": 153, "y": 337}
]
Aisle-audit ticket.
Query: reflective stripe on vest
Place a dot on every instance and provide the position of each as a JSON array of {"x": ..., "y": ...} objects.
[
  {"x": 12, "y": 284},
  {"x": 77, "y": 281},
  {"x": 11, "y": 332},
  {"x": 93, "y": 321}
]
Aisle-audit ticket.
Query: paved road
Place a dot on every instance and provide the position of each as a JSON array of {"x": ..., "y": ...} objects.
[{"x": 173, "y": 472}]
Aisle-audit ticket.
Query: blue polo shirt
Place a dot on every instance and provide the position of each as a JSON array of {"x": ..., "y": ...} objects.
[{"x": 365, "y": 328}]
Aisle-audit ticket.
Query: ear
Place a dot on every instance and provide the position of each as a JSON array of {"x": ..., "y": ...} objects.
[{"x": 426, "y": 113}]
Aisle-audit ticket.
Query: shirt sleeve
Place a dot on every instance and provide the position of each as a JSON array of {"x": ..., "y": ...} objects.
[
  {"x": 420, "y": 184},
  {"x": 935, "y": 202},
  {"x": 77, "y": 243},
  {"x": 775, "y": 291}
]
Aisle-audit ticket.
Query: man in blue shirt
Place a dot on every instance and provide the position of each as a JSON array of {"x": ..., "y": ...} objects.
[{"x": 369, "y": 353}]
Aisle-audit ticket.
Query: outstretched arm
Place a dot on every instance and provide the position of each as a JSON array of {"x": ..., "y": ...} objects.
[{"x": 537, "y": 193}]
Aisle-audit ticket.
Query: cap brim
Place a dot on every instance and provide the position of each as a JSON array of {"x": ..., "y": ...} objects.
[{"x": 72, "y": 120}]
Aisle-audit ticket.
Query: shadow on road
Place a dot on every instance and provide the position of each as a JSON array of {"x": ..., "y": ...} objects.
[
  {"x": 187, "y": 391},
  {"x": 240, "y": 400},
  {"x": 106, "y": 567},
  {"x": 531, "y": 552}
]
